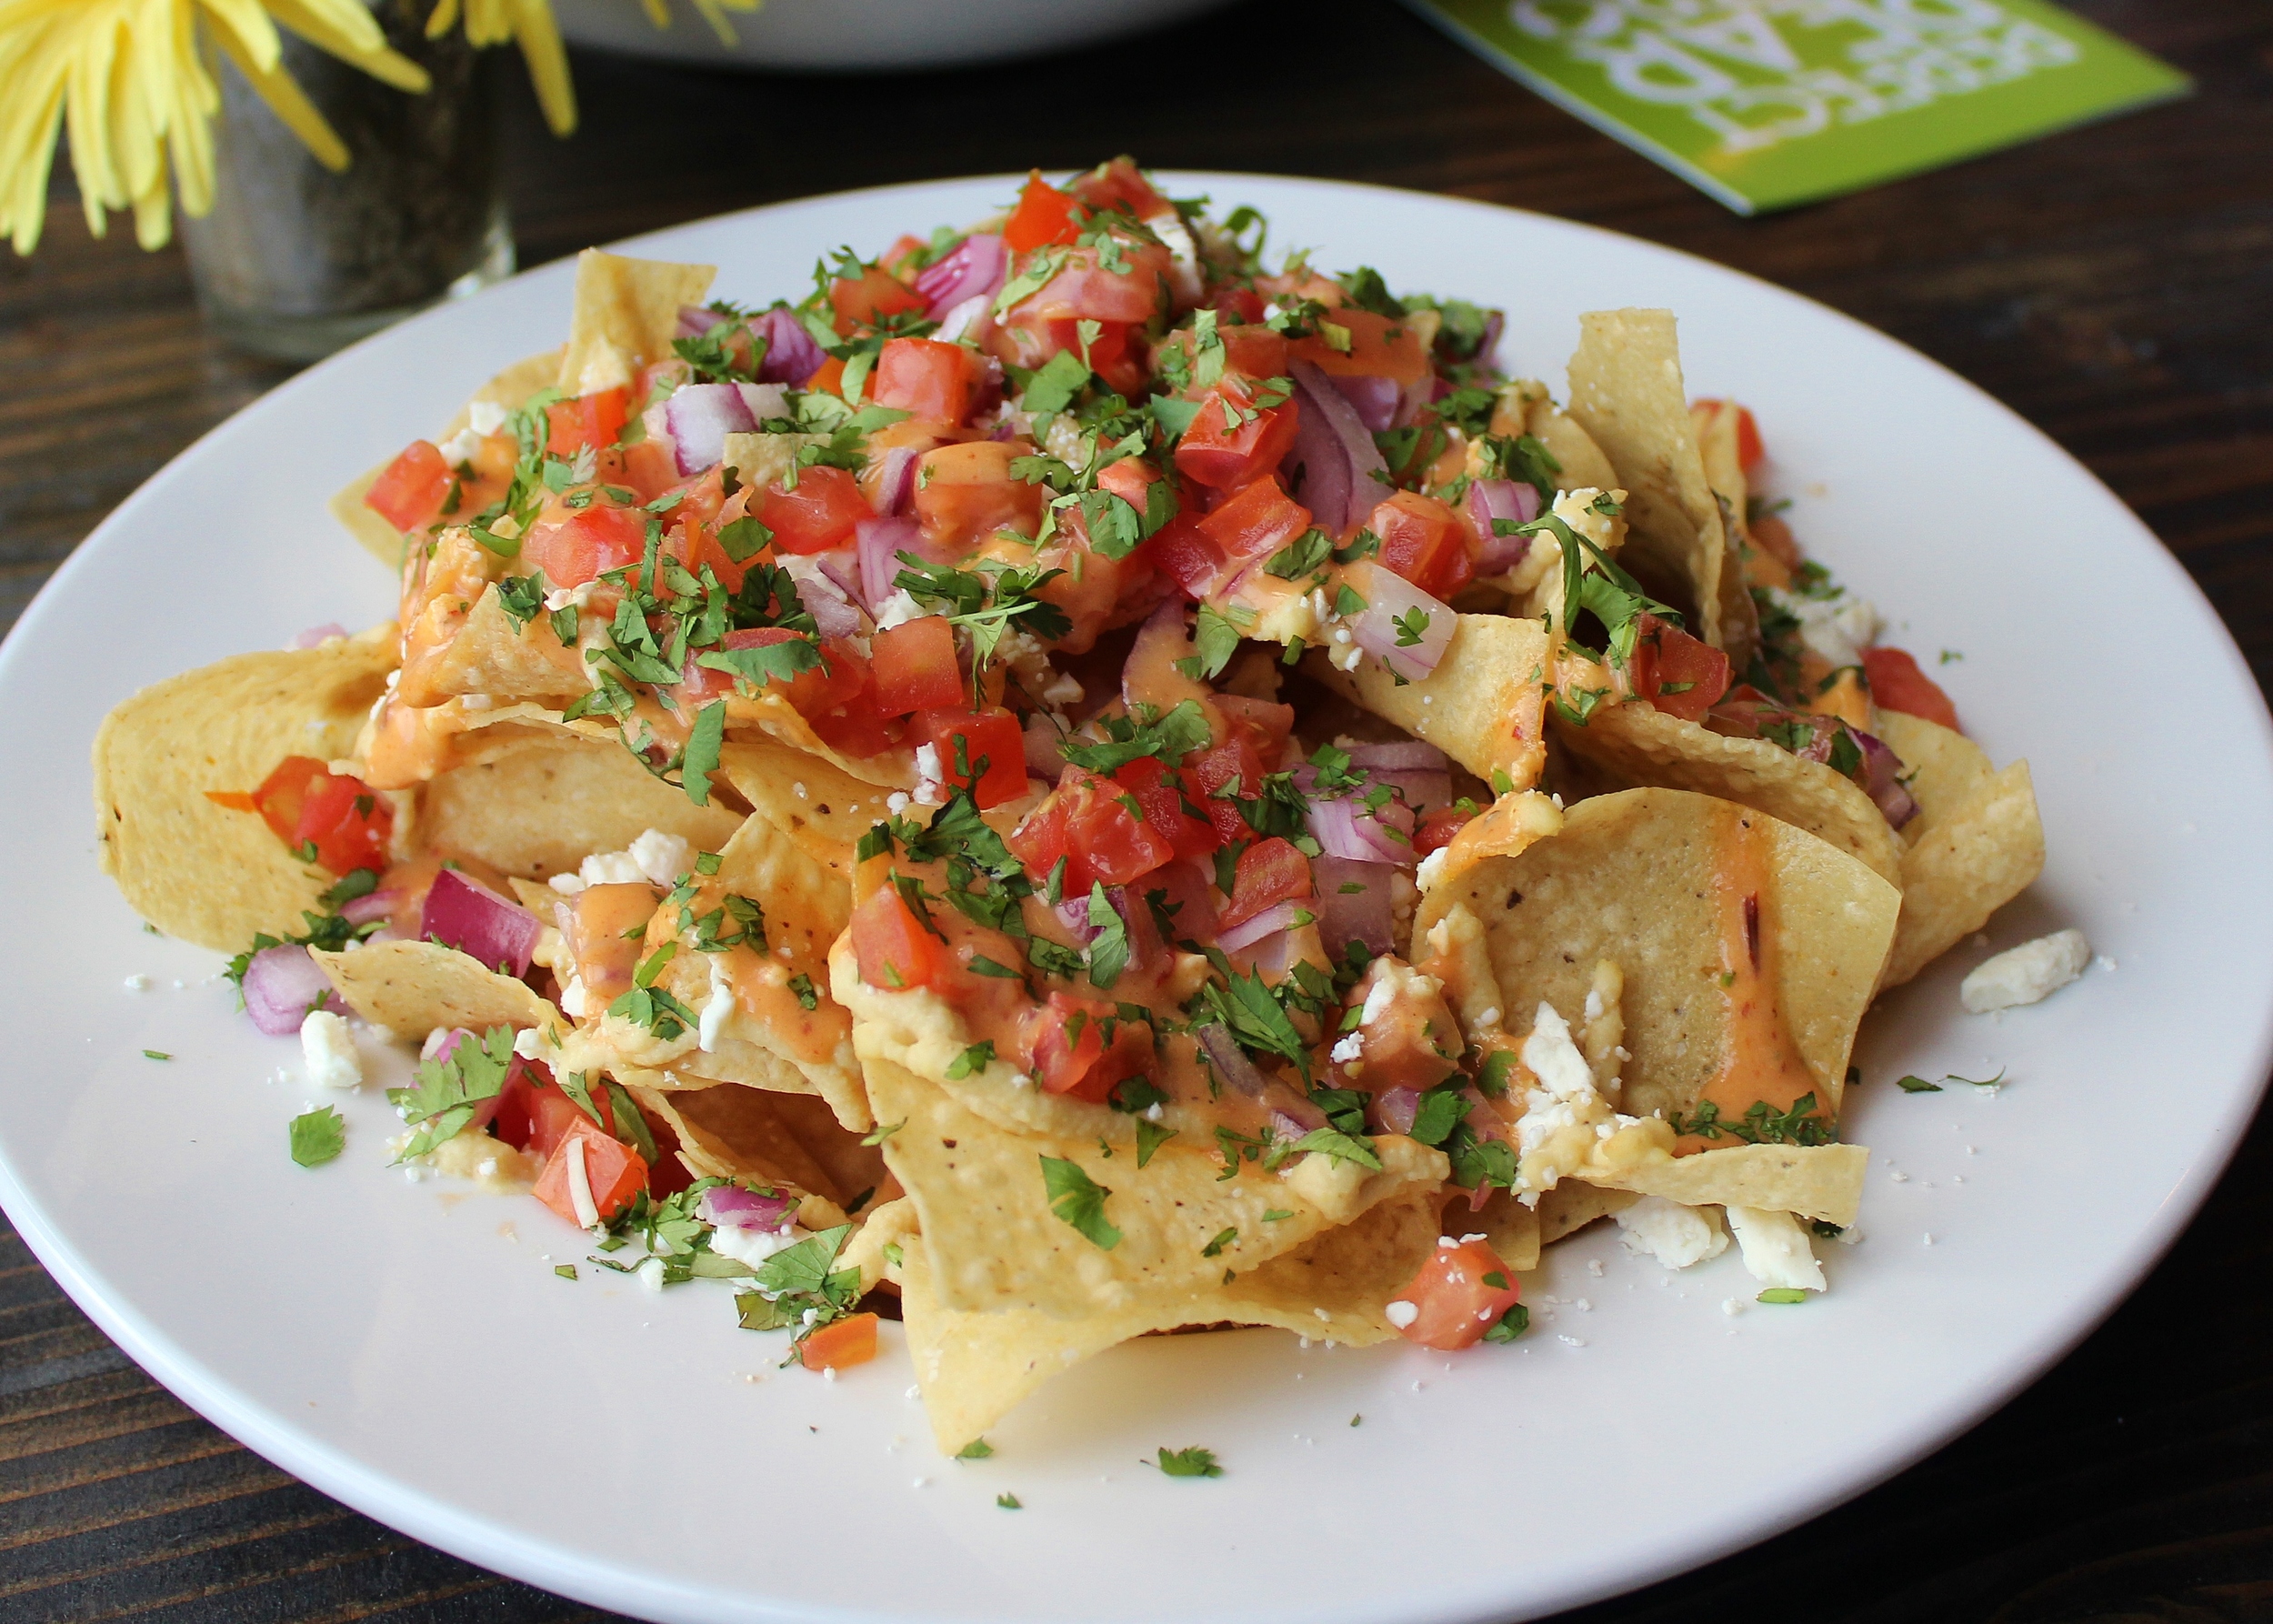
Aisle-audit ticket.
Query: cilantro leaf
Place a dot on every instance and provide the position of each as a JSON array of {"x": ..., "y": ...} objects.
[
  {"x": 1054, "y": 386},
  {"x": 1441, "y": 1109},
  {"x": 1341, "y": 1146},
  {"x": 1109, "y": 948},
  {"x": 1193, "y": 1462},
  {"x": 449, "y": 1090},
  {"x": 318, "y": 1136},
  {"x": 1150, "y": 1136},
  {"x": 703, "y": 746},
  {"x": 1169, "y": 737},
  {"x": 1079, "y": 1201}
]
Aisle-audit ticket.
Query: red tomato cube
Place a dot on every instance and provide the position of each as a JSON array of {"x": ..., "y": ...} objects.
[
  {"x": 927, "y": 378},
  {"x": 1425, "y": 541},
  {"x": 818, "y": 515},
  {"x": 1458, "y": 1295},
  {"x": 915, "y": 668},
  {"x": 1067, "y": 1051},
  {"x": 1217, "y": 451},
  {"x": 593, "y": 421},
  {"x": 893, "y": 950},
  {"x": 1682, "y": 675},
  {"x": 1256, "y": 522},
  {"x": 992, "y": 750},
  {"x": 410, "y": 493},
  {"x": 1045, "y": 215},
  {"x": 614, "y": 1172}
]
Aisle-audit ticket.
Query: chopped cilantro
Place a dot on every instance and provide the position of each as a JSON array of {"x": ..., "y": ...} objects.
[
  {"x": 1783, "y": 1294},
  {"x": 1193, "y": 1462},
  {"x": 979, "y": 1448},
  {"x": 318, "y": 1136},
  {"x": 450, "y": 1090},
  {"x": 1150, "y": 1136},
  {"x": 1079, "y": 1201}
]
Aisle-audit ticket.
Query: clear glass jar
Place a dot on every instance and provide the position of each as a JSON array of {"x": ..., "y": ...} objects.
[{"x": 294, "y": 261}]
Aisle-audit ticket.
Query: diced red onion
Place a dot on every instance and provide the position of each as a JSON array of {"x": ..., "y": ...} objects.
[
  {"x": 477, "y": 921},
  {"x": 1013, "y": 425},
  {"x": 1420, "y": 790},
  {"x": 316, "y": 637},
  {"x": 842, "y": 565},
  {"x": 701, "y": 416},
  {"x": 1363, "y": 915},
  {"x": 730, "y": 1206},
  {"x": 895, "y": 481},
  {"x": 792, "y": 357},
  {"x": 282, "y": 985},
  {"x": 1883, "y": 783},
  {"x": 1231, "y": 1061},
  {"x": 1412, "y": 399},
  {"x": 1334, "y": 451},
  {"x": 1344, "y": 828},
  {"x": 1044, "y": 757},
  {"x": 825, "y": 597},
  {"x": 880, "y": 543},
  {"x": 1074, "y": 915},
  {"x": 972, "y": 269},
  {"x": 1390, "y": 598},
  {"x": 1283, "y": 916},
  {"x": 970, "y": 322},
  {"x": 1394, "y": 1111},
  {"x": 1144, "y": 944},
  {"x": 442, "y": 1042},
  {"x": 1405, "y": 754},
  {"x": 370, "y": 906},
  {"x": 764, "y": 400},
  {"x": 1293, "y": 1117},
  {"x": 1492, "y": 502},
  {"x": 1374, "y": 399},
  {"x": 1487, "y": 347}
]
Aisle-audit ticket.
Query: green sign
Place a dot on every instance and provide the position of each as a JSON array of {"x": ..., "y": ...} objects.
[{"x": 1765, "y": 104}]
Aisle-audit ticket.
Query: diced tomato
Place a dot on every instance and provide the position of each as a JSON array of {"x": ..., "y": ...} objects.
[
  {"x": 1460, "y": 1293},
  {"x": 1237, "y": 302},
  {"x": 1120, "y": 184},
  {"x": 306, "y": 804},
  {"x": 1264, "y": 722},
  {"x": 1269, "y": 872},
  {"x": 1068, "y": 1053},
  {"x": 1666, "y": 659},
  {"x": 893, "y": 950},
  {"x": 1131, "y": 479},
  {"x": 1234, "y": 767},
  {"x": 548, "y": 1116},
  {"x": 1161, "y": 794},
  {"x": 840, "y": 1344},
  {"x": 828, "y": 377},
  {"x": 1216, "y": 453},
  {"x": 1749, "y": 450},
  {"x": 927, "y": 378},
  {"x": 575, "y": 545},
  {"x": 1183, "y": 552},
  {"x": 612, "y": 1170},
  {"x": 866, "y": 300},
  {"x": 650, "y": 468},
  {"x": 914, "y": 665},
  {"x": 410, "y": 493},
  {"x": 1436, "y": 829},
  {"x": 1255, "y": 522},
  {"x": 1086, "y": 820},
  {"x": 965, "y": 493},
  {"x": 1378, "y": 347},
  {"x": 1896, "y": 684},
  {"x": 856, "y": 731},
  {"x": 993, "y": 747},
  {"x": 1425, "y": 541},
  {"x": 818, "y": 515},
  {"x": 594, "y": 421},
  {"x": 1045, "y": 215}
]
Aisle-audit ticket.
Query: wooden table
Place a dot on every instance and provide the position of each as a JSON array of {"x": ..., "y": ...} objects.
[{"x": 2114, "y": 285}]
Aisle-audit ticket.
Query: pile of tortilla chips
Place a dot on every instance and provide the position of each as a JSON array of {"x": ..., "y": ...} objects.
[{"x": 978, "y": 1202}]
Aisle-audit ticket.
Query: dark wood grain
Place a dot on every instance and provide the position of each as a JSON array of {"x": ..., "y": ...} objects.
[{"x": 2114, "y": 285}]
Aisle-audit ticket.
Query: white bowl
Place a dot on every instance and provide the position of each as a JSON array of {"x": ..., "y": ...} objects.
[{"x": 869, "y": 35}]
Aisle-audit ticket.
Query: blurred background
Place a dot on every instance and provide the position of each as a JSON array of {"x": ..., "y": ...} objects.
[{"x": 2111, "y": 282}]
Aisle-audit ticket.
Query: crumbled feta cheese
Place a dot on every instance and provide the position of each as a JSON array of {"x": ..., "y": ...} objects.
[
  {"x": 329, "y": 1048},
  {"x": 931, "y": 783},
  {"x": 1677, "y": 1235},
  {"x": 719, "y": 1005},
  {"x": 753, "y": 1246},
  {"x": 137, "y": 982},
  {"x": 650, "y": 1274},
  {"x": 1432, "y": 868},
  {"x": 1349, "y": 1049},
  {"x": 1776, "y": 1249},
  {"x": 662, "y": 859},
  {"x": 567, "y": 885},
  {"x": 580, "y": 1184},
  {"x": 897, "y": 608},
  {"x": 2024, "y": 974},
  {"x": 484, "y": 418},
  {"x": 1837, "y": 628},
  {"x": 895, "y": 803},
  {"x": 610, "y": 868},
  {"x": 1401, "y": 1313},
  {"x": 527, "y": 1044},
  {"x": 1061, "y": 690}
]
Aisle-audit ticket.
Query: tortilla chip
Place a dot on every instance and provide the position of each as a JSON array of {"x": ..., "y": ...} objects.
[
  {"x": 769, "y": 714},
  {"x": 1637, "y": 744},
  {"x": 822, "y": 808},
  {"x": 732, "y": 1132},
  {"x": 1630, "y": 879},
  {"x": 1815, "y": 1181},
  {"x": 1524, "y": 407},
  {"x": 1512, "y": 1229},
  {"x": 1482, "y": 706},
  {"x": 994, "y": 1242},
  {"x": 627, "y": 314},
  {"x": 537, "y": 802},
  {"x": 202, "y": 872},
  {"x": 491, "y": 655},
  {"x": 759, "y": 460},
  {"x": 1571, "y": 1205},
  {"x": 509, "y": 388},
  {"x": 412, "y": 987},
  {"x": 1975, "y": 844},
  {"x": 974, "y": 1368},
  {"x": 1626, "y": 392}
]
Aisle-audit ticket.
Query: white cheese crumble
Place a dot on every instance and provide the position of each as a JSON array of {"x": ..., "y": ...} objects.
[
  {"x": 329, "y": 1048},
  {"x": 1677, "y": 1235},
  {"x": 931, "y": 784},
  {"x": 896, "y": 610},
  {"x": 719, "y": 1005},
  {"x": 484, "y": 418},
  {"x": 753, "y": 1246},
  {"x": 1401, "y": 1313},
  {"x": 137, "y": 982},
  {"x": 580, "y": 1184},
  {"x": 2024, "y": 974},
  {"x": 610, "y": 868},
  {"x": 662, "y": 858},
  {"x": 1776, "y": 1249},
  {"x": 1432, "y": 868},
  {"x": 1837, "y": 628}
]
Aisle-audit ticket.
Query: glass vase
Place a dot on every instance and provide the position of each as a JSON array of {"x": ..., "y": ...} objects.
[{"x": 295, "y": 261}]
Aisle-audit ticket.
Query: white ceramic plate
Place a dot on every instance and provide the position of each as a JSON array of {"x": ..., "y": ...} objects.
[
  {"x": 406, "y": 1346},
  {"x": 869, "y": 35}
]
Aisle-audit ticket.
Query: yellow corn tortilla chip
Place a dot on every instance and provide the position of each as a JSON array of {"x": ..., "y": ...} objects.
[
  {"x": 506, "y": 664},
  {"x": 1512, "y": 1229},
  {"x": 733, "y": 1132},
  {"x": 1975, "y": 844},
  {"x": 412, "y": 987},
  {"x": 817, "y": 803},
  {"x": 627, "y": 313},
  {"x": 1638, "y": 744},
  {"x": 1626, "y": 392},
  {"x": 1483, "y": 706},
  {"x": 201, "y": 872},
  {"x": 1815, "y": 1181},
  {"x": 508, "y": 389},
  {"x": 993, "y": 1241},
  {"x": 1524, "y": 407},
  {"x": 1571, "y": 1205},
  {"x": 1631, "y": 879},
  {"x": 536, "y": 802},
  {"x": 769, "y": 1039},
  {"x": 975, "y": 1367}
]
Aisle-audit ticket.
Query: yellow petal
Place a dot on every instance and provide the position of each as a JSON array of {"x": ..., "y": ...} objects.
[
  {"x": 284, "y": 98},
  {"x": 548, "y": 62}
]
